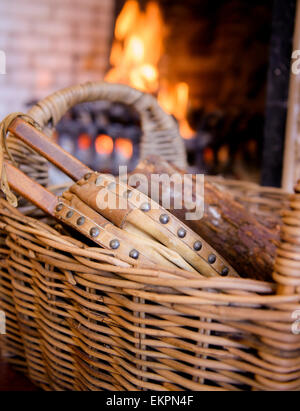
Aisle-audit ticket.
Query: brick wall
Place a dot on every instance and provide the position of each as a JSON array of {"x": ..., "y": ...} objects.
[{"x": 51, "y": 44}]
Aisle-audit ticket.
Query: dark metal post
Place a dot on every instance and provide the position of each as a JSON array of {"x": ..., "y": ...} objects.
[{"x": 277, "y": 92}]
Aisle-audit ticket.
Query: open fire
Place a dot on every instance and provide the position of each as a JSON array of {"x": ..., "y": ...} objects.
[
  {"x": 189, "y": 62},
  {"x": 136, "y": 59}
]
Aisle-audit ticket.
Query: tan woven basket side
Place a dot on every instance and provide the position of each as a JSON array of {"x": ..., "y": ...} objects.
[
  {"x": 11, "y": 345},
  {"x": 160, "y": 133},
  {"x": 95, "y": 324},
  {"x": 105, "y": 326}
]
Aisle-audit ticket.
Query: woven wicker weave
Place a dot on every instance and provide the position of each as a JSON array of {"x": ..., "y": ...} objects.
[{"x": 86, "y": 321}]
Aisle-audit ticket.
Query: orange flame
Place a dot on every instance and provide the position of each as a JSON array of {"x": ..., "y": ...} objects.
[
  {"x": 175, "y": 101},
  {"x": 135, "y": 55},
  {"x": 137, "y": 47}
]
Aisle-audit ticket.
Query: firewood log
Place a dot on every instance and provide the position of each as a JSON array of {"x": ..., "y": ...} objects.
[{"x": 243, "y": 240}]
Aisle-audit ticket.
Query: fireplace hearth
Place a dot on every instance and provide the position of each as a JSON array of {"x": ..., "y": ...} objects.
[
  {"x": 103, "y": 135},
  {"x": 209, "y": 69}
]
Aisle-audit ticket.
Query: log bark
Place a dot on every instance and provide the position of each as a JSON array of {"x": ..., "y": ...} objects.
[{"x": 244, "y": 240}]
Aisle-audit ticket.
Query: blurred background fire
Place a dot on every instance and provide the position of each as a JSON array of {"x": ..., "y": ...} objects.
[{"x": 217, "y": 67}]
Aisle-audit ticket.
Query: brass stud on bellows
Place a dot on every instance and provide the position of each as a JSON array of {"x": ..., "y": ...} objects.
[
  {"x": 59, "y": 207},
  {"x": 80, "y": 221},
  {"x": 212, "y": 258},
  {"x": 94, "y": 232},
  {"x": 134, "y": 254},
  {"x": 114, "y": 244},
  {"x": 197, "y": 246},
  {"x": 164, "y": 218},
  {"x": 69, "y": 214},
  {"x": 181, "y": 233},
  {"x": 145, "y": 207},
  {"x": 87, "y": 176},
  {"x": 225, "y": 271}
]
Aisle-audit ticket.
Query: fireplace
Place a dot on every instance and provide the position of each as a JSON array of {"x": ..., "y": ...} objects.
[{"x": 207, "y": 62}]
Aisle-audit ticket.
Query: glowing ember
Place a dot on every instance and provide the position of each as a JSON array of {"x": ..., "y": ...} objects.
[
  {"x": 208, "y": 156},
  {"x": 124, "y": 147},
  {"x": 136, "y": 52},
  {"x": 104, "y": 144},
  {"x": 84, "y": 141},
  {"x": 223, "y": 154}
]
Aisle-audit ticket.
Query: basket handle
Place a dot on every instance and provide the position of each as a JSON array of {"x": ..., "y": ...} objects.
[{"x": 160, "y": 134}]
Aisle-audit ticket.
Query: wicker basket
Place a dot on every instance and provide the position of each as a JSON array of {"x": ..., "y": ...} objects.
[{"x": 79, "y": 318}]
